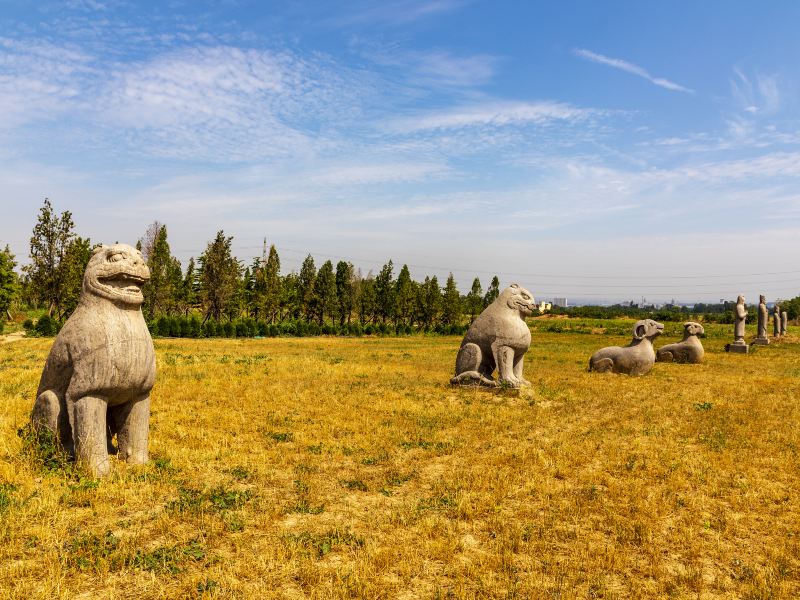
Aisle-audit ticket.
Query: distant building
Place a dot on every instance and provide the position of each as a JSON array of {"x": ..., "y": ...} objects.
[{"x": 562, "y": 302}]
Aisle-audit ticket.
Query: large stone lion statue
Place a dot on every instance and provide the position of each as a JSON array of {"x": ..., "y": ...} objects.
[
  {"x": 498, "y": 338},
  {"x": 98, "y": 376}
]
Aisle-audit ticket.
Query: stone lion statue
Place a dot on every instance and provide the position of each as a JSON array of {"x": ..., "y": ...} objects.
[
  {"x": 498, "y": 338},
  {"x": 98, "y": 376}
]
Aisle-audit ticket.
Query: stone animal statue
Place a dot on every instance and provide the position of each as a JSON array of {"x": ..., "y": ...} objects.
[
  {"x": 688, "y": 350},
  {"x": 498, "y": 338},
  {"x": 637, "y": 358},
  {"x": 97, "y": 380}
]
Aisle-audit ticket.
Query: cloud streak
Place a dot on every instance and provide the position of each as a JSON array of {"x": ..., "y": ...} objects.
[{"x": 628, "y": 67}]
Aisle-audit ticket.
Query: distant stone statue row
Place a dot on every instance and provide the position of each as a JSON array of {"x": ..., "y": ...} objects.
[
  {"x": 499, "y": 338},
  {"x": 779, "y": 325}
]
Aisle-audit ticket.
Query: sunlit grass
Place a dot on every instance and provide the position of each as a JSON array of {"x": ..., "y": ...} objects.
[{"x": 336, "y": 468}]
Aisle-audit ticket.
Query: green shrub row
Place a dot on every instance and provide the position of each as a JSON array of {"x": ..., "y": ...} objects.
[{"x": 192, "y": 327}]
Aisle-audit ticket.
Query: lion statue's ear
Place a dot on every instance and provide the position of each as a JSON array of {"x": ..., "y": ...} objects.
[
  {"x": 514, "y": 285},
  {"x": 98, "y": 248}
]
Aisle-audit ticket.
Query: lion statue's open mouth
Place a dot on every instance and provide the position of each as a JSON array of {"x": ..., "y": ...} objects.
[{"x": 117, "y": 273}]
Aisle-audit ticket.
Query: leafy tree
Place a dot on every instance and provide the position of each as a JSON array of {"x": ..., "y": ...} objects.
[
  {"x": 9, "y": 283},
  {"x": 325, "y": 291},
  {"x": 77, "y": 256},
  {"x": 305, "y": 285},
  {"x": 219, "y": 277},
  {"x": 404, "y": 296},
  {"x": 384, "y": 292},
  {"x": 289, "y": 299},
  {"x": 451, "y": 302},
  {"x": 344, "y": 290},
  {"x": 48, "y": 271},
  {"x": 492, "y": 293},
  {"x": 474, "y": 302}
]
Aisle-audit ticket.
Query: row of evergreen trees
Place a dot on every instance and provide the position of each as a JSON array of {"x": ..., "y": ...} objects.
[{"x": 218, "y": 288}]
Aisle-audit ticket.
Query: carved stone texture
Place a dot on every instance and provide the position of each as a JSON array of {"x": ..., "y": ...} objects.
[
  {"x": 776, "y": 321},
  {"x": 763, "y": 320},
  {"x": 498, "y": 338},
  {"x": 637, "y": 358},
  {"x": 784, "y": 322},
  {"x": 97, "y": 380},
  {"x": 740, "y": 317},
  {"x": 688, "y": 350}
]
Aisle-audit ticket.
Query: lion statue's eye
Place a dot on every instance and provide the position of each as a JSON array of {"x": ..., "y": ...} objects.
[
  {"x": 526, "y": 297},
  {"x": 116, "y": 257}
]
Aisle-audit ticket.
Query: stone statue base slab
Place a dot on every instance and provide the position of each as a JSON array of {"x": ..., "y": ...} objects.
[
  {"x": 761, "y": 341},
  {"x": 737, "y": 348}
]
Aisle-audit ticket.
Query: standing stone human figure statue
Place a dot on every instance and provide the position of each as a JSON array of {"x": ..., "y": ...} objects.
[
  {"x": 763, "y": 319},
  {"x": 740, "y": 315},
  {"x": 776, "y": 321},
  {"x": 97, "y": 380},
  {"x": 784, "y": 322}
]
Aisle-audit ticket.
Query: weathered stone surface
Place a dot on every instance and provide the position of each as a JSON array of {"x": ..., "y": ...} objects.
[
  {"x": 784, "y": 322},
  {"x": 98, "y": 376},
  {"x": 763, "y": 320},
  {"x": 740, "y": 317},
  {"x": 776, "y": 320},
  {"x": 737, "y": 348},
  {"x": 637, "y": 358},
  {"x": 498, "y": 338},
  {"x": 688, "y": 350}
]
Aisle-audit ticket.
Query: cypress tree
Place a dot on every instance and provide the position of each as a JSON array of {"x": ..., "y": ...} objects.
[
  {"x": 404, "y": 296},
  {"x": 492, "y": 293},
  {"x": 384, "y": 292},
  {"x": 305, "y": 287},
  {"x": 219, "y": 277},
  {"x": 325, "y": 291},
  {"x": 451, "y": 302},
  {"x": 344, "y": 290},
  {"x": 9, "y": 284},
  {"x": 475, "y": 299}
]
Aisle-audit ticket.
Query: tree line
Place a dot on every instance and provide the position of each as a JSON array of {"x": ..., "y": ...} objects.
[{"x": 218, "y": 288}]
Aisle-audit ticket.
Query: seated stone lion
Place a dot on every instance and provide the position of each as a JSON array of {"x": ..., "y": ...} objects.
[
  {"x": 99, "y": 373},
  {"x": 498, "y": 338}
]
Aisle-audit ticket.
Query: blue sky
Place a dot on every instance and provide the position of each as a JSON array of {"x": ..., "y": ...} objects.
[{"x": 598, "y": 150}]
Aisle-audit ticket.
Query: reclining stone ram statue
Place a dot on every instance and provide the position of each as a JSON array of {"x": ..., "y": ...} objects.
[
  {"x": 637, "y": 358},
  {"x": 688, "y": 350}
]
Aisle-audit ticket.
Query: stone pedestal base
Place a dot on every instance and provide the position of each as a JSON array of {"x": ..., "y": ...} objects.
[
  {"x": 761, "y": 341},
  {"x": 737, "y": 348}
]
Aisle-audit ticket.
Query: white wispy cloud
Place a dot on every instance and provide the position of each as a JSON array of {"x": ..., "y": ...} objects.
[
  {"x": 492, "y": 113},
  {"x": 432, "y": 68},
  {"x": 366, "y": 174},
  {"x": 39, "y": 80},
  {"x": 631, "y": 68},
  {"x": 391, "y": 12}
]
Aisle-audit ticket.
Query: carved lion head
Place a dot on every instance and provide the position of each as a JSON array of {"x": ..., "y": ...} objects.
[
  {"x": 518, "y": 298},
  {"x": 116, "y": 273}
]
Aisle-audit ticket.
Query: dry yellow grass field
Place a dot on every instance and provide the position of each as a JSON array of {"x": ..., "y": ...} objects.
[{"x": 348, "y": 468}]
